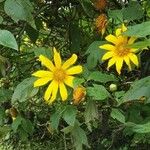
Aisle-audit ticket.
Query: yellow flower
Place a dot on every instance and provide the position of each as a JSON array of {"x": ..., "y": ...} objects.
[
  {"x": 101, "y": 23},
  {"x": 118, "y": 52},
  {"x": 58, "y": 75},
  {"x": 79, "y": 94}
]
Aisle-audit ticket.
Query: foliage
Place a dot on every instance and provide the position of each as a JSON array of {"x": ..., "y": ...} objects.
[{"x": 105, "y": 118}]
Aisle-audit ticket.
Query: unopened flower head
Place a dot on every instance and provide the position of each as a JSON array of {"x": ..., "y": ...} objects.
[
  {"x": 119, "y": 52},
  {"x": 100, "y": 4},
  {"x": 79, "y": 94},
  {"x": 58, "y": 74},
  {"x": 101, "y": 23}
]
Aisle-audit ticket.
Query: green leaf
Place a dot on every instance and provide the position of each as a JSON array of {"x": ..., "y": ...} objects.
[
  {"x": 117, "y": 114},
  {"x": 5, "y": 94},
  {"x": 75, "y": 37},
  {"x": 1, "y": 19},
  {"x": 138, "y": 89},
  {"x": 4, "y": 130},
  {"x": 79, "y": 136},
  {"x": 69, "y": 115},
  {"x": 98, "y": 92},
  {"x": 55, "y": 117},
  {"x": 20, "y": 10},
  {"x": 95, "y": 54},
  {"x": 101, "y": 77},
  {"x": 24, "y": 90},
  {"x": 47, "y": 52},
  {"x": 134, "y": 11},
  {"x": 139, "y": 128},
  {"x": 139, "y": 30},
  {"x": 77, "y": 82},
  {"x": 2, "y": 116},
  {"x": 27, "y": 126},
  {"x": 67, "y": 130},
  {"x": 91, "y": 111},
  {"x": 16, "y": 123},
  {"x": 117, "y": 15},
  {"x": 141, "y": 44},
  {"x": 7, "y": 39}
]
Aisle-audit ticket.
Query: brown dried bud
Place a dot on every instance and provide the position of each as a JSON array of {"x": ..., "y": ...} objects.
[
  {"x": 13, "y": 112},
  {"x": 101, "y": 23},
  {"x": 100, "y": 4},
  {"x": 79, "y": 94}
]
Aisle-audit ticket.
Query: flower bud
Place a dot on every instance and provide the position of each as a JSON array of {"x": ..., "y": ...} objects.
[
  {"x": 100, "y": 4},
  {"x": 79, "y": 94},
  {"x": 101, "y": 23},
  {"x": 113, "y": 87},
  {"x": 13, "y": 113}
]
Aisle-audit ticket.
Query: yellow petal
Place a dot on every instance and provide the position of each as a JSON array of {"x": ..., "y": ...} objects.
[
  {"x": 74, "y": 70},
  {"x": 124, "y": 28},
  {"x": 46, "y": 62},
  {"x": 107, "y": 55},
  {"x": 43, "y": 73},
  {"x": 119, "y": 64},
  {"x": 63, "y": 91},
  {"x": 48, "y": 91},
  {"x": 111, "y": 62},
  {"x": 134, "y": 59},
  {"x": 42, "y": 81},
  {"x": 69, "y": 81},
  {"x": 57, "y": 58},
  {"x": 107, "y": 47},
  {"x": 132, "y": 40},
  {"x": 70, "y": 61},
  {"x": 118, "y": 32},
  {"x": 111, "y": 38},
  {"x": 127, "y": 61},
  {"x": 54, "y": 92}
]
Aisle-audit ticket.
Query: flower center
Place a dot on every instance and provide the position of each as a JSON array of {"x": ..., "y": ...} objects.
[
  {"x": 122, "y": 50},
  {"x": 59, "y": 75}
]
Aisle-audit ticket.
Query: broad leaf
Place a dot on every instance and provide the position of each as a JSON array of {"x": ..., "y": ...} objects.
[
  {"x": 91, "y": 111},
  {"x": 7, "y": 39},
  {"x": 95, "y": 54},
  {"x": 24, "y": 90},
  {"x": 98, "y": 92},
  {"x": 139, "y": 30},
  {"x": 118, "y": 115},
  {"x": 69, "y": 115},
  {"x": 101, "y": 77},
  {"x": 20, "y": 10},
  {"x": 138, "y": 89}
]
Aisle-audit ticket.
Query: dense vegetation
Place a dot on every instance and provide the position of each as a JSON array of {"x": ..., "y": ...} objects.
[{"x": 100, "y": 103}]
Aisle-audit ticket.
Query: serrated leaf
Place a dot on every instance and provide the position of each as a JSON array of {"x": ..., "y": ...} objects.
[
  {"x": 91, "y": 111},
  {"x": 20, "y": 10},
  {"x": 79, "y": 136},
  {"x": 138, "y": 89},
  {"x": 101, "y": 77},
  {"x": 116, "y": 114},
  {"x": 24, "y": 90},
  {"x": 98, "y": 92},
  {"x": 7, "y": 39},
  {"x": 69, "y": 115},
  {"x": 55, "y": 117}
]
